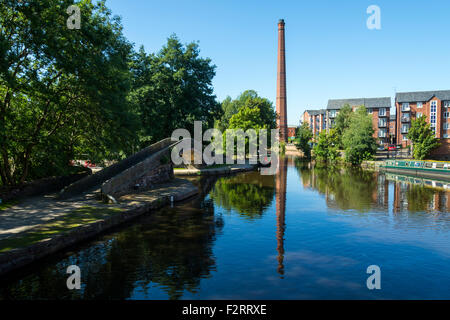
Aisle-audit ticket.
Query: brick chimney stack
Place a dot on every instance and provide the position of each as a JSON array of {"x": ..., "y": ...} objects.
[{"x": 281, "y": 104}]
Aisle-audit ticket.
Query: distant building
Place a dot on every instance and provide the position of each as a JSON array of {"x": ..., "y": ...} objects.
[
  {"x": 291, "y": 131},
  {"x": 393, "y": 129},
  {"x": 435, "y": 105},
  {"x": 379, "y": 108},
  {"x": 315, "y": 119}
]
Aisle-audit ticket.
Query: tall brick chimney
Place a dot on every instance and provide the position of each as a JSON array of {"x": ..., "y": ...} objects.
[{"x": 281, "y": 104}]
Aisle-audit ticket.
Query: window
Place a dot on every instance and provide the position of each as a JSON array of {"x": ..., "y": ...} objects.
[
  {"x": 446, "y": 104},
  {"x": 446, "y": 125},
  {"x": 333, "y": 113},
  {"x": 369, "y": 111},
  {"x": 382, "y": 112},
  {"x": 405, "y": 106},
  {"x": 405, "y": 138},
  {"x": 446, "y": 135},
  {"x": 382, "y": 123},
  {"x": 419, "y": 104},
  {"x": 446, "y": 114},
  {"x": 419, "y": 114},
  {"x": 433, "y": 107},
  {"x": 405, "y": 128}
]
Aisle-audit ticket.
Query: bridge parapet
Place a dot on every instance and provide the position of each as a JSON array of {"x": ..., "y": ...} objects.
[
  {"x": 155, "y": 169},
  {"x": 100, "y": 177}
]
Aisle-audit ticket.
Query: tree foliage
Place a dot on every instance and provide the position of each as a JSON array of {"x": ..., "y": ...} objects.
[
  {"x": 254, "y": 112},
  {"x": 358, "y": 139},
  {"x": 247, "y": 111},
  {"x": 62, "y": 91},
  {"x": 172, "y": 89},
  {"x": 422, "y": 137},
  {"x": 327, "y": 147},
  {"x": 342, "y": 122},
  {"x": 304, "y": 136}
]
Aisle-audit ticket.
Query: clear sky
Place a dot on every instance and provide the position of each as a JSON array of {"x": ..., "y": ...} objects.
[{"x": 330, "y": 52}]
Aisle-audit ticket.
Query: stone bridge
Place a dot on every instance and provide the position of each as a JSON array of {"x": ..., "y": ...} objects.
[{"x": 142, "y": 170}]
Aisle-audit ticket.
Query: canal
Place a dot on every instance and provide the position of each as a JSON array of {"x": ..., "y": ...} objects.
[{"x": 310, "y": 232}]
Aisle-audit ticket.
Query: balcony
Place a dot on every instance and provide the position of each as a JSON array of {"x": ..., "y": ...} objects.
[
  {"x": 405, "y": 118},
  {"x": 405, "y": 107},
  {"x": 405, "y": 130}
]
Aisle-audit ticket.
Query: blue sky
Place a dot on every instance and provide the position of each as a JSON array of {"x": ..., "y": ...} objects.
[{"x": 330, "y": 53}]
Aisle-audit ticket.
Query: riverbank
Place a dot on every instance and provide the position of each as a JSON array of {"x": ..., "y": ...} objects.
[
  {"x": 421, "y": 169},
  {"x": 40, "y": 226},
  {"x": 214, "y": 171}
]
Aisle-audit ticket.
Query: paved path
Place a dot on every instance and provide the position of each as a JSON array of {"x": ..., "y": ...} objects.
[{"x": 37, "y": 211}]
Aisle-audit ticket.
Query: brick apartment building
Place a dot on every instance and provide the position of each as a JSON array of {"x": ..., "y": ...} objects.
[
  {"x": 435, "y": 105},
  {"x": 316, "y": 119},
  {"x": 291, "y": 131},
  {"x": 379, "y": 108},
  {"x": 393, "y": 129}
]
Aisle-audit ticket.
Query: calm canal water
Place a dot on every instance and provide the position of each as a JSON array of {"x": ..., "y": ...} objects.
[{"x": 310, "y": 232}]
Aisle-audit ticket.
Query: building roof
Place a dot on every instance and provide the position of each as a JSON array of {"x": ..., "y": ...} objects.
[
  {"x": 370, "y": 103},
  {"x": 422, "y": 96},
  {"x": 315, "y": 112}
]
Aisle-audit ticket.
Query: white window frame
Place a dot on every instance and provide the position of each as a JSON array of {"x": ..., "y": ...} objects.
[
  {"x": 419, "y": 104},
  {"x": 382, "y": 112},
  {"x": 419, "y": 115},
  {"x": 447, "y": 104},
  {"x": 405, "y": 106},
  {"x": 369, "y": 111},
  {"x": 433, "y": 104}
]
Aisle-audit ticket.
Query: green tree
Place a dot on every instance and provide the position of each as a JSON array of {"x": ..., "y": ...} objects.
[
  {"x": 254, "y": 113},
  {"x": 422, "y": 137},
  {"x": 343, "y": 122},
  {"x": 358, "y": 139},
  {"x": 62, "y": 92},
  {"x": 248, "y": 99},
  {"x": 172, "y": 89},
  {"x": 304, "y": 136},
  {"x": 327, "y": 147}
]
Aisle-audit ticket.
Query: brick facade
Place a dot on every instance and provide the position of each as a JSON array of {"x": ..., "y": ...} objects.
[
  {"x": 435, "y": 105},
  {"x": 378, "y": 108},
  {"x": 316, "y": 119}
]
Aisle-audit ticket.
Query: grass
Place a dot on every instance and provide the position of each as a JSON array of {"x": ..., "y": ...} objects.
[
  {"x": 7, "y": 204},
  {"x": 78, "y": 217}
]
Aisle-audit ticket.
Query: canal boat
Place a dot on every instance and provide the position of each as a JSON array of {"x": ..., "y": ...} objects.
[{"x": 427, "y": 169}]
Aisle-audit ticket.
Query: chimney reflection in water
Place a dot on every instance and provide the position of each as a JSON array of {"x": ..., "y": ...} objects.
[{"x": 280, "y": 195}]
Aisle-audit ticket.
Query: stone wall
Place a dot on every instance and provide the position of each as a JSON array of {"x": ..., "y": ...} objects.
[
  {"x": 109, "y": 172},
  {"x": 442, "y": 152},
  {"x": 41, "y": 186},
  {"x": 144, "y": 175}
]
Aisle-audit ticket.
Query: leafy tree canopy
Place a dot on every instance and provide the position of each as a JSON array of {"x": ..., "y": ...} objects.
[
  {"x": 358, "y": 139},
  {"x": 62, "y": 91},
  {"x": 422, "y": 137},
  {"x": 304, "y": 136},
  {"x": 172, "y": 89}
]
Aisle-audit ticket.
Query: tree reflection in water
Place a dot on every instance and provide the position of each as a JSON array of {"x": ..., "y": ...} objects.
[
  {"x": 171, "y": 250},
  {"x": 249, "y": 194},
  {"x": 353, "y": 188}
]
